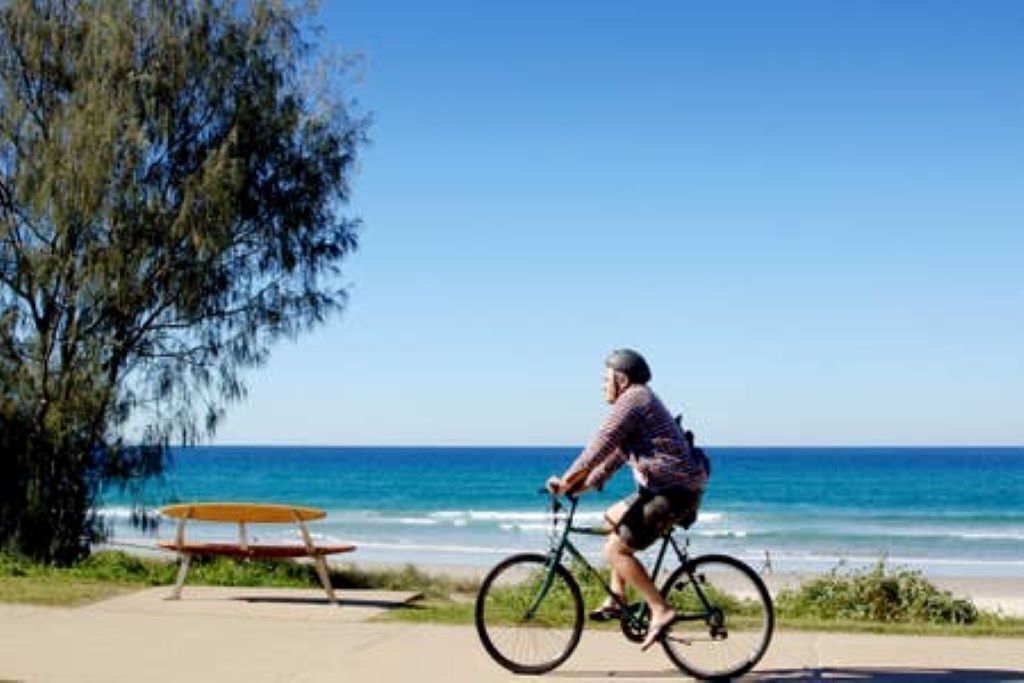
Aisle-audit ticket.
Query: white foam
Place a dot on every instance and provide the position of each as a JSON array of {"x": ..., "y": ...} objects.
[
  {"x": 722, "y": 533},
  {"x": 462, "y": 549},
  {"x": 529, "y": 528},
  {"x": 833, "y": 560},
  {"x": 123, "y": 513},
  {"x": 513, "y": 516},
  {"x": 414, "y": 521},
  {"x": 991, "y": 536}
]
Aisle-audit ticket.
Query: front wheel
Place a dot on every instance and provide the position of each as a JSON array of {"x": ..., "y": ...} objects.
[
  {"x": 529, "y": 615},
  {"x": 725, "y": 617}
]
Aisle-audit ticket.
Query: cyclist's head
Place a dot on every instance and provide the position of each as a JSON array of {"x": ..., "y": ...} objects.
[
  {"x": 631, "y": 364},
  {"x": 623, "y": 368}
]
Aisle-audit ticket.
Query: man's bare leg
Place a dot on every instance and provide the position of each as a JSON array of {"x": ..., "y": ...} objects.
[
  {"x": 626, "y": 569},
  {"x": 612, "y": 516},
  {"x": 614, "y": 548}
]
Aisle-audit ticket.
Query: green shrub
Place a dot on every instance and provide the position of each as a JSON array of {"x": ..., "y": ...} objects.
[
  {"x": 13, "y": 566},
  {"x": 119, "y": 567},
  {"x": 408, "y": 578},
  {"x": 877, "y": 594}
]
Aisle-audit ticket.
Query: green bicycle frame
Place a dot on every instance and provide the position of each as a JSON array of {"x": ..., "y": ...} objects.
[{"x": 561, "y": 545}]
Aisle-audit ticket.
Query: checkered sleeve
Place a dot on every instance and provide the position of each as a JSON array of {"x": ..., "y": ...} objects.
[
  {"x": 602, "y": 472},
  {"x": 602, "y": 456}
]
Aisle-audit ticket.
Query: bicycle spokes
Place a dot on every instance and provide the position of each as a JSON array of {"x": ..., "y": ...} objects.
[
  {"x": 725, "y": 617},
  {"x": 529, "y": 614}
]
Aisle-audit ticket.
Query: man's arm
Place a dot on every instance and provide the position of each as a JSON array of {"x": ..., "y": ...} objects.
[
  {"x": 602, "y": 456},
  {"x": 575, "y": 484}
]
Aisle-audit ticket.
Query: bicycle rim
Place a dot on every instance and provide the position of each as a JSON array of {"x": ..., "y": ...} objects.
[
  {"x": 725, "y": 617},
  {"x": 523, "y": 626}
]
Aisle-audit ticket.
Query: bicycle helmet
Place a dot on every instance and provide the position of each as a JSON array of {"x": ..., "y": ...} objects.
[{"x": 631, "y": 364}]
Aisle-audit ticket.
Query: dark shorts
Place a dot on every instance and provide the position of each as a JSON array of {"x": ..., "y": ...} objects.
[{"x": 650, "y": 515}]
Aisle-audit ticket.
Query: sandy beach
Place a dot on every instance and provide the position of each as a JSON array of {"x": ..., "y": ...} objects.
[
  {"x": 994, "y": 594},
  {"x": 256, "y": 635}
]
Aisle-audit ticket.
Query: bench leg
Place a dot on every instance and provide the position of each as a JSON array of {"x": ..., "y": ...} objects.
[
  {"x": 186, "y": 560},
  {"x": 325, "y": 578}
]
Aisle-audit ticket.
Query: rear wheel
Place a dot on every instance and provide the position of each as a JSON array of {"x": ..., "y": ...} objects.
[
  {"x": 529, "y": 617},
  {"x": 725, "y": 617}
]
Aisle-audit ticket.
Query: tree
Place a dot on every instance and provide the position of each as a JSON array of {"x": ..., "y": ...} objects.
[{"x": 171, "y": 189}]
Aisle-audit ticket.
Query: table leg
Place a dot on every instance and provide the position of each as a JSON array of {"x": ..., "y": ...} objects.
[
  {"x": 186, "y": 560},
  {"x": 325, "y": 578}
]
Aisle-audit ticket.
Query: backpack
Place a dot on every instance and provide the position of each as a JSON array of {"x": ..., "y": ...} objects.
[{"x": 697, "y": 451}]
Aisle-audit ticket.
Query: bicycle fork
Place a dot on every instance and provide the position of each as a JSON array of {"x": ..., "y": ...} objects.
[{"x": 554, "y": 558}]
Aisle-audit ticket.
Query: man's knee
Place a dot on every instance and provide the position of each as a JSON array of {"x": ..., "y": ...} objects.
[
  {"x": 615, "y": 548},
  {"x": 613, "y": 515}
]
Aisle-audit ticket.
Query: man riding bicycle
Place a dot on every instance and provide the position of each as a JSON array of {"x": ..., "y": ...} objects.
[{"x": 670, "y": 480}]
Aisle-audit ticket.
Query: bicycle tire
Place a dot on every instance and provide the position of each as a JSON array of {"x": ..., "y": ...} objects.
[
  {"x": 731, "y": 637},
  {"x": 534, "y": 643}
]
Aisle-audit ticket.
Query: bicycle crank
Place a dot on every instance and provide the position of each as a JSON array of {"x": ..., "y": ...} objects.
[{"x": 634, "y": 621}]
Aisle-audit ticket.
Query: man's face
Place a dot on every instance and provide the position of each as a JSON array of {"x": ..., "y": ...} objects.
[{"x": 612, "y": 385}]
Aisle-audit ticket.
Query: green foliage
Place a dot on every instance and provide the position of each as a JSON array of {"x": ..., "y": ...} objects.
[
  {"x": 171, "y": 180},
  {"x": 106, "y": 566},
  {"x": 517, "y": 603},
  {"x": 408, "y": 578},
  {"x": 123, "y": 569},
  {"x": 448, "y": 600},
  {"x": 56, "y": 592},
  {"x": 878, "y": 595},
  {"x": 118, "y": 567},
  {"x": 435, "y": 611},
  {"x": 102, "y": 576}
]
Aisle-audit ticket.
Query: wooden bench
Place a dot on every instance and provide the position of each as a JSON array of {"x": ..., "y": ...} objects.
[{"x": 244, "y": 514}]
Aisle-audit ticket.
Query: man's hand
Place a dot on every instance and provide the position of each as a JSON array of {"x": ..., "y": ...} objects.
[{"x": 554, "y": 485}]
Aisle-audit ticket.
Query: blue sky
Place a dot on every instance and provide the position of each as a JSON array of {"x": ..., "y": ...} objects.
[{"x": 807, "y": 215}]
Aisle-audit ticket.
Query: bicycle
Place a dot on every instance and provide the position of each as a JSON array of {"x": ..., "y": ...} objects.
[{"x": 529, "y": 612}]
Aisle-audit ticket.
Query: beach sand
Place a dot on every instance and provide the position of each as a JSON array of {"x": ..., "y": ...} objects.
[
  {"x": 273, "y": 635},
  {"x": 1002, "y": 595}
]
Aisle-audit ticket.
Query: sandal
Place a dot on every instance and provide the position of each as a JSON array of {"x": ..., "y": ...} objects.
[
  {"x": 607, "y": 611},
  {"x": 657, "y": 631}
]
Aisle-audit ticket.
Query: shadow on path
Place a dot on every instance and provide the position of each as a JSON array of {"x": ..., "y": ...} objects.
[
  {"x": 886, "y": 674},
  {"x": 342, "y": 602},
  {"x": 841, "y": 674}
]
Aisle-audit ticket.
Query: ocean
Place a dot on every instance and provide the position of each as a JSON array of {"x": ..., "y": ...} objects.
[{"x": 948, "y": 511}]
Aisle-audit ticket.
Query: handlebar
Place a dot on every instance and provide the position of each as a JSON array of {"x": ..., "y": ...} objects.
[{"x": 558, "y": 501}]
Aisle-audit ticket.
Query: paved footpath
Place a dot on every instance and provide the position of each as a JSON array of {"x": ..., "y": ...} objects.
[{"x": 275, "y": 635}]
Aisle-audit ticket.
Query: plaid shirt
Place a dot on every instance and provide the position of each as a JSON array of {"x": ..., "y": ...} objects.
[{"x": 640, "y": 431}]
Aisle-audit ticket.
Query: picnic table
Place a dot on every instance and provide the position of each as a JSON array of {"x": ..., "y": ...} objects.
[{"x": 244, "y": 514}]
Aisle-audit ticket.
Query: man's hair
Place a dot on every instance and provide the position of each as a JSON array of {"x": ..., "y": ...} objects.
[{"x": 631, "y": 364}]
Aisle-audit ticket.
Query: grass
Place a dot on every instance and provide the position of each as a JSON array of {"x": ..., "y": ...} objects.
[
  {"x": 65, "y": 593},
  {"x": 109, "y": 573},
  {"x": 94, "y": 579},
  {"x": 878, "y": 600}
]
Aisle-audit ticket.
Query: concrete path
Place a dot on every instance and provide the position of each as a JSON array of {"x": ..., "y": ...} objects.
[{"x": 276, "y": 635}]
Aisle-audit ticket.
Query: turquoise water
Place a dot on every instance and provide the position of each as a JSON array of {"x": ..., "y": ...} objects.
[{"x": 948, "y": 510}]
